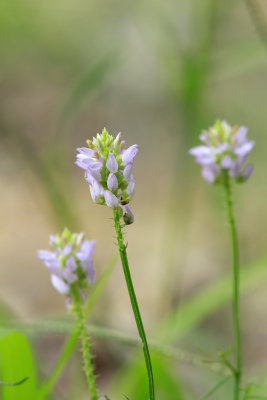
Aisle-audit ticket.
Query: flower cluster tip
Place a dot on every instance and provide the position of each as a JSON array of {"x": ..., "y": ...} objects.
[
  {"x": 108, "y": 169},
  {"x": 70, "y": 263},
  {"x": 224, "y": 150}
]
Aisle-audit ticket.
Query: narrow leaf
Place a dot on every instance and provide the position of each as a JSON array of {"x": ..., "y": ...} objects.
[
  {"x": 215, "y": 387},
  {"x": 14, "y": 383}
]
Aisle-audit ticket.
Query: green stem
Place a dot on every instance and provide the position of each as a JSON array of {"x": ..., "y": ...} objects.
[
  {"x": 235, "y": 263},
  {"x": 87, "y": 357},
  {"x": 136, "y": 311}
]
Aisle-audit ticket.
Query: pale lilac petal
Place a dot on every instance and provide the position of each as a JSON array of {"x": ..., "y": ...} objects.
[
  {"x": 241, "y": 135},
  {"x": 68, "y": 271},
  {"x": 226, "y": 162},
  {"x": 204, "y": 136},
  {"x": 221, "y": 148},
  {"x": 127, "y": 171},
  {"x": 81, "y": 164},
  {"x": 90, "y": 276},
  {"x": 131, "y": 189},
  {"x": 87, "y": 264},
  {"x": 112, "y": 164},
  {"x": 129, "y": 154},
  {"x": 86, "y": 151},
  {"x": 89, "y": 177},
  {"x": 204, "y": 155},
  {"x": 247, "y": 171},
  {"x": 210, "y": 172},
  {"x": 71, "y": 264},
  {"x": 234, "y": 171},
  {"x": 112, "y": 182},
  {"x": 86, "y": 251},
  {"x": 66, "y": 249},
  {"x": 53, "y": 240},
  {"x": 58, "y": 283},
  {"x": 96, "y": 190},
  {"x": 205, "y": 160},
  {"x": 199, "y": 151},
  {"x": 45, "y": 255},
  {"x": 49, "y": 258},
  {"x": 111, "y": 199},
  {"x": 244, "y": 149}
]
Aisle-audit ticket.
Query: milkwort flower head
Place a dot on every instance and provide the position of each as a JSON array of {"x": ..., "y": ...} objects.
[
  {"x": 108, "y": 170},
  {"x": 225, "y": 150},
  {"x": 70, "y": 262}
]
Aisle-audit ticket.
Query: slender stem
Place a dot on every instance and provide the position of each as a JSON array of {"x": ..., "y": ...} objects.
[
  {"x": 235, "y": 263},
  {"x": 136, "y": 311},
  {"x": 87, "y": 357}
]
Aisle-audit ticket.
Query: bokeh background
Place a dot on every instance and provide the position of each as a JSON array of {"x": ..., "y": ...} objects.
[{"x": 159, "y": 72}]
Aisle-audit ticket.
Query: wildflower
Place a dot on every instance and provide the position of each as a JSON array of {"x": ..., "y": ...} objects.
[
  {"x": 70, "y": 262},
  {"x": 225, "y": 150},
  {"x": 108, "y": 170}
]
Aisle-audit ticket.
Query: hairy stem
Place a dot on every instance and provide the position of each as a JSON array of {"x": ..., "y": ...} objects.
[
  {"x": 87, "y": 357},
  {"x": 135, "y": 307},
  {"x": 235, "y": 264}
]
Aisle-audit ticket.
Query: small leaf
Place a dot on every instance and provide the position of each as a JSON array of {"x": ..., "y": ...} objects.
[{"x": 14, "y": 383}]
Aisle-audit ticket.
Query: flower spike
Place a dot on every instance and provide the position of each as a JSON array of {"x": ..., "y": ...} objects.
[{"x": 225, "y": 150}]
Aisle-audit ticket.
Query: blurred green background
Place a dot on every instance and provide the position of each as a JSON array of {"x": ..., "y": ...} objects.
[{"x": 159, "y": 72}]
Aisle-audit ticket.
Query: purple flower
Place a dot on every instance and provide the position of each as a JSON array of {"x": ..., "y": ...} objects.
[
  {"x": 225, "y": 149},
  {"x": 87, "y": 160},
  {"x": 71, "y": 262},
  {"x": 108, "y": 169}
]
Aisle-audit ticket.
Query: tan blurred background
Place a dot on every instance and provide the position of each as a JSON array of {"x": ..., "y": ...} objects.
[{"x": 159, "y": 72}]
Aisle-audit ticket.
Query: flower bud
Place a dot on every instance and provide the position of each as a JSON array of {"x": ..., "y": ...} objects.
[
  {"x": 112, "y": 164},
  {"x": 117, "y": 143},
  {"x": 128, "y": 215},
  {"x": 112, "y": 182}
]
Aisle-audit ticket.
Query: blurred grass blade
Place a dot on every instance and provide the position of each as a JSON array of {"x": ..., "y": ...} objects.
[
  {"x": 14, "y": 383},
  {"x": 17, "y": 363},
  {"x": 257, "y": 17},
  {"x": 208, "y": 300},
  {"x": 72, "y": 339},
  {"x": 101, "y": 284},
  {"x": 215, "y": 388},
  {"x": 101, "y": 332},
  {"x": 87, "y": 86}
]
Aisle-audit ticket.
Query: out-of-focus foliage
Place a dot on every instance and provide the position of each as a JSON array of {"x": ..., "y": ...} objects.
[{"x": 16, "y": 364}]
